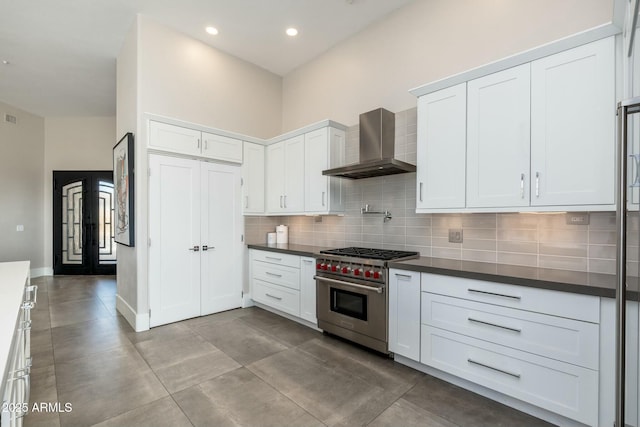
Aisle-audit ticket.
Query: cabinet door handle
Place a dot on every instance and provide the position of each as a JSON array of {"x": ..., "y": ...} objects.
[
  {"x": 495, "y": 325},
  {"x": 636, "y": 180},
  {"x": 246, "y": 201},
  {"x": 198, "y": 144},
  {"x": 195, "y": 248},
  {"x": 495, "y": 294},
  {"x": 274, "y": 297},
  {"x": 484, "y": 365},
  {"x": 206, "y": 144},
  {"x": 280, "y": 201},
  {"x": 285, "y": 201},
  {"x": 537, "y": 184},
  {"x": 33, "y": 289},
  {"x": 308, "y": 261},
  {"x": 268, "y": 273},
  {"x": 522, "y": 186},
  {"x": 273, "y": 258},
  {"x": 404, "y": 276},
  {"x": 421, "y": 185},
  {"x": 323, "y": 198}
]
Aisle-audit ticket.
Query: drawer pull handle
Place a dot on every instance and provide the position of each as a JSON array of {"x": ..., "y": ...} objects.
[
  {"x": 273, "y": 258},
  {"x": 404, "y": 276},
  {"x": 495, "y": 294},
  {"x": 495, "y": 325},
  {"x": 493, "y": 368},
  {"x": 273, "y": 274},
  {"x": 274, "y": 297}
]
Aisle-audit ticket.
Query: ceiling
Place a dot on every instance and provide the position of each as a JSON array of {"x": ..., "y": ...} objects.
[{"x": 62, "y": 53}]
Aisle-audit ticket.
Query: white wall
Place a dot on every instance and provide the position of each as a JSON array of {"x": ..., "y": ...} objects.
[
  {"x": 73, "y": 143},
  {"x": 21, "y": 191},
  {"x": 423, "y": 42},
  {"x": 185, "y": 79}
]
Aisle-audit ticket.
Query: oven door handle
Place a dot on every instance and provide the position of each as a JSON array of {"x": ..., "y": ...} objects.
[{"x": 353, "y": 285}]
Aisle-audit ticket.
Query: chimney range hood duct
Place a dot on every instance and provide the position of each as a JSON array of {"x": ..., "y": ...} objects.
[{"x": 377, "y": 143}]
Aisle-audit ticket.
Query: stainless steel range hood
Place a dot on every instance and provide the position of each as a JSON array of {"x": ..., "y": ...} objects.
[{"x": 377, "y": 144}]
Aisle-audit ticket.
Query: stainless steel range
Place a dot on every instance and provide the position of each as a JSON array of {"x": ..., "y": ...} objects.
[{"x": 352, "y": 299}]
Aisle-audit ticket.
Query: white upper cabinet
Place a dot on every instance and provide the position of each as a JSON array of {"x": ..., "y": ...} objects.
[
  {"x": 498, "y": 139},
  {"x": 253, "y": 188},
  {"x": 323, "y": 149},
  {"x": 573, "y": 127},
  {"x": 285, "y": 176},
  {"x": 176, "y": 139},
  {"x": 440, "y": 171},
  {"x": 221, "y": 147},
  {"x": 181, "y": 140}
]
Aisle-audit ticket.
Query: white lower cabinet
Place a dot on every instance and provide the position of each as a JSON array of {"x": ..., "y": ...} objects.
[
  {"x": 404, "y": 313},
  {"x": 539, "y": 346},
  {"x": 284, "y": 282}
]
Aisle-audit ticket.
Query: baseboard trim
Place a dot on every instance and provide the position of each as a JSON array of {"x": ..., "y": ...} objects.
[
  {"x": 39, "y": 272},
  {"x": 138, "y": 321}
]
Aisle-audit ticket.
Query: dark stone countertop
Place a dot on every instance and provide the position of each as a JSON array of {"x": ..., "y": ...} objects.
[{"x": 580, "y": 282}]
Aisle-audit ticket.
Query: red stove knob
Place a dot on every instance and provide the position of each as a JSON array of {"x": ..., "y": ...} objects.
[
  {"x": 367, "y": 273},
  {"x": 334, "y": 268},
  {"x": 376, "y": 274},
  {"x": 318, "y": 266},
  {"x": 345, "y": 270},
  {"x": 356, "y": 272},
  {"x": 324, "y": 266}
]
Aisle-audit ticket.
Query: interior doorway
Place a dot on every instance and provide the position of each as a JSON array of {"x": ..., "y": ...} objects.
[{"x": 83, "y": 222}]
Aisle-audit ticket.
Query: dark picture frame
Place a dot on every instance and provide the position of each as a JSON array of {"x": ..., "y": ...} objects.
[{"x": 124, "y": 188}]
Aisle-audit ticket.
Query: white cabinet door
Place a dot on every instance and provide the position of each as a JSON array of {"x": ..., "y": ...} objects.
[
  {"x": 404, "y": 313},
  {"x": 294, "y": 174},
  {"x": 316, "y": 159},
  {"x": 441, "y": 153},
  {"x": 573, "y": 127},
  {"x": 221, "y": 228},
  {"x": 275, "y": 177},
  {"x": 253, "y": 187},
  {"x": 221, "y": 148},
  {"x": 174, "y": 229},
  {"x": 308, "y": 289},
  {"x": 177, "y": 139},
  {"x": 498, "y": 139}
]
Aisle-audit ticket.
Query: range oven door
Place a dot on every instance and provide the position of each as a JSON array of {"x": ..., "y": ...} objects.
[{"x": 353, "y": 309}]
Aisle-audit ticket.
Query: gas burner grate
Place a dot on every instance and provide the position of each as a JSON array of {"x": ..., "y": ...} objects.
[{"x": 380, "y": 254}]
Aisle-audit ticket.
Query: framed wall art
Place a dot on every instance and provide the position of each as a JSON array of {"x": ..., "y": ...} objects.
[{"x": 123, "y": 181}]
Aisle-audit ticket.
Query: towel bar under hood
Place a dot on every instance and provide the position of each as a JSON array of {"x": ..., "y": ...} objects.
[{"x": 377, "y": 145}]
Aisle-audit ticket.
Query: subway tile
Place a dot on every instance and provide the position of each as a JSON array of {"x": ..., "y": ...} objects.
[
  {"x": 569, "y": 236},
  {"x": 480, "y": 233},
  {"x": 443, "y": 242},
  {"x": 418, "y": 221},
  {"x": 521, "y": 247},
  {"x": 602, "y": 237},
  {"x": 529, "y": 260},
  {"x": 478, "y": 244},
  {"x": 417, "y": 240},
  {"x": 448, "y": 253},
  {"x": 602, "y": 221},
  {"x": 422, "y": 250},
  {"x": 562, "y": 262},
  {"x": 394, "y": 239},
  {"x": 516, "y": 220},
  {"x": 563, "y": 249},
  {"x": 557, "y": 221},
  {"x": 479, "y": 221},
  {"x": 482, "y": 256},
  {"x": 446, "y": 220},
  {"x": 518, "y": 235},
  {"x": 606, "y": 266},
  {"x": 606, "y": 252}
]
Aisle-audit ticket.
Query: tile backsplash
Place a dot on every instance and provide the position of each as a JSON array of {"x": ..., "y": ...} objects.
[{"x": 529, "y": 239}]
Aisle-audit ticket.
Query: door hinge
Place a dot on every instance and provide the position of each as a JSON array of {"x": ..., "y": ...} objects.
[{"x": 149, "y": 241}]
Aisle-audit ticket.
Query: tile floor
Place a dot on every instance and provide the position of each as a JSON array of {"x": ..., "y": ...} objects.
[{"x": 244, "y": 367}]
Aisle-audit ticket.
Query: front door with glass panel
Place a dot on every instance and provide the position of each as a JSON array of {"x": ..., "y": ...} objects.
[{"x": 83, "y": 223}]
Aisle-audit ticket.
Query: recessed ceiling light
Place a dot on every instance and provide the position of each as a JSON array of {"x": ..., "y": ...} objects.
[
  {"x": 5, "y": 62},
  {"x": 212, "y": 30},
  {"x": 292, "y": 32}
]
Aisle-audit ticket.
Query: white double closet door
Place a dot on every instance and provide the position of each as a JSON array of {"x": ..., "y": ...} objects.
[{"x": 193, "y": 204}]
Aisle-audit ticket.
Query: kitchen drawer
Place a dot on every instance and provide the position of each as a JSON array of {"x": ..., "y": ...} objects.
[
  {"x": 563, "y": 304},
  {"x": 566, "y": 340},
  {"x": 277, "y": 274},
  {"x": 559, "y": 387},
  {"x": 278, "y": 297},
  {"x": 276, "y": 258}
]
